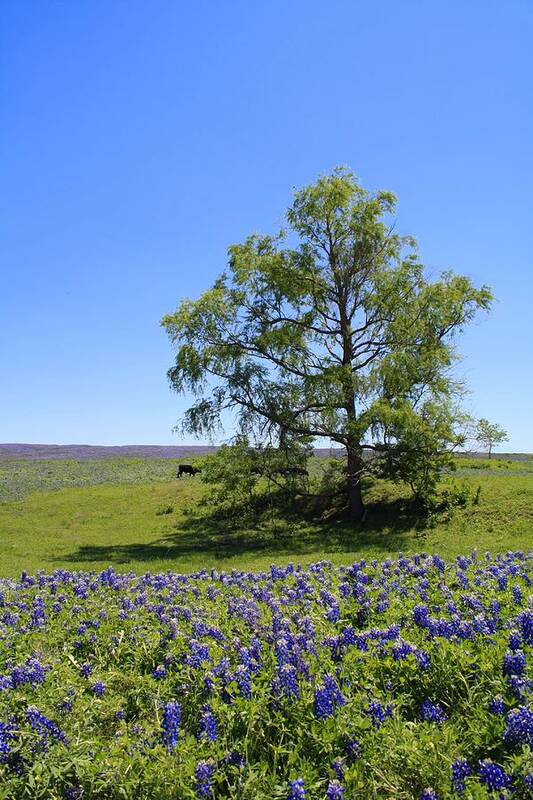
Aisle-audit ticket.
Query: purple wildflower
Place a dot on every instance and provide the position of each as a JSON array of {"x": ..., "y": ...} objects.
[
  {"x": 297, "y": 790},
  {"x": 514, "y": 662},
  {"x": 327, "y": 698},
  {"x": 44, "y": 727},
  {"x": 493, "y": 776},
  {"x": 378, "y": 713},
  {"x": 171, "y": 724},
  {"x": 519, "y": 727},
  {"x": 461, "y": 769},
  {"x": 208, "y": 725},
  {"x": 335, "y": 791},
  {"x": 497, "y": 706},
  {"x": 204, "y": 774},
  {"x": 159, "y": 673},
  {"x": 433, "y": 712}
]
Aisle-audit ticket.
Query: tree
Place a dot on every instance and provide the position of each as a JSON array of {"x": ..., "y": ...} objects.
[
  {"x": 330, "y": 330},
  {"x": 489, "y": 434}
]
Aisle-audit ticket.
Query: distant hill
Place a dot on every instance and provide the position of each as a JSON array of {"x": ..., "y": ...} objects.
[{"x": 89, "y": 452}]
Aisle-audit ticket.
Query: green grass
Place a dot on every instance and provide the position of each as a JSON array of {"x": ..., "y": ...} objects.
[
  {"x": 18, "y": 478},
  {"x": 127, "y": 513}
]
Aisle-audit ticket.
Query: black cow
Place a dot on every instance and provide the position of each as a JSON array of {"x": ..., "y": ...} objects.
[{"x": 187, "y": 469}]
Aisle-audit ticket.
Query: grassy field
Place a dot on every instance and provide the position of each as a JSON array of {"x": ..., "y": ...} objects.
[{"x": 133, "y": 514}]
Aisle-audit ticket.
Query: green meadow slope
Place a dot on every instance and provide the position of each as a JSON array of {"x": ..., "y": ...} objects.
[{"x": 133, "y": 514}]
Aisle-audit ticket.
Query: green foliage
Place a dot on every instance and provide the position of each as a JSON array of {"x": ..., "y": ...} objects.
[
  {"x": 424, "y": 445},
  {"x": 232, "y": 479},
  {"x": 245, "y": 481},
  {"x": 331, "y": 330}
]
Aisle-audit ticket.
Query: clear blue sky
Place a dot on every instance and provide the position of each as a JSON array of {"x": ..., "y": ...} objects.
[{"x": 140, "y": 139}]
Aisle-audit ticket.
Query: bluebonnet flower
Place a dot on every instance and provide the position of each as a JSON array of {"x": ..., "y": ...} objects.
[
  {"x": 6, "y": 735},
  {"x": 518, "y": 686},
  {"x": 519, "y": 727},
  {"x": 327, "y": 698},
  {"x": 235, "y": 759},
  {"x": 120, "y": 714},
  {"x": 525, "y": 623},
  {"x": 493, "y": 776},
  {"x": 517, "y": 594},
  {"x": 208, "y": 725},
  {"x": 171, "y": 724},
  {"x": 439, "y": 563},
  {"x": 65, "y": 706},
  {"x": 353, "y": 750},
  {"x": 86, "y": 670},
  {"x": 204, "y": 774},
  {"x": 198, "y": 653},
  {"x": 514, "y": 662},
  {"x": 515, "y": 640},
  {"x": 333, "y": 613},
  {"x": 497, "y": 706},
  {"x": 297, "y": 790},
  {"x": 99, "y": 688},
  {"x": 423, "y": 660},
  {"x": 288, "y": 681},
  {"x": 429, "y": 794},
  {"x": 401, "y": 650},
  {"x": 335, "y": 791},
  {"x": 378, "y": 713},
  {"x": 243, "y": 680},
  {"x": 44, "y": 727},
  {"x": 502, "y": 582},
  {"x": 159, "y": 673},
  {"x": 495, "y": 608},
  {"x": 461, "y": 769},
  {"x": 31, "y": 672},
  {"x": 72, "y": 793},
  {"x": 338, "y": 766},
  {"x": 433, "y": 712},
  {"x": 421, "y": 616}
]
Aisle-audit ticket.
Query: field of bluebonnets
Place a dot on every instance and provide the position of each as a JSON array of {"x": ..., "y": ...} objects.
[{"x": 395, "y": 679}]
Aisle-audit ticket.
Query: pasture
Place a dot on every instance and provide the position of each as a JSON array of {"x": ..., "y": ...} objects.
[{"x": 134, "y": 514}]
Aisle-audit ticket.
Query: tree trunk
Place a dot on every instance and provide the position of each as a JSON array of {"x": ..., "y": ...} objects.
[
  {"x": 353, "y": 478},
  {"x": 490, "y": 452}
]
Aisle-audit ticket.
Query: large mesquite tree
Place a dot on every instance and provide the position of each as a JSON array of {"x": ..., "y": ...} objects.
[{"x": 328, "y": 330}]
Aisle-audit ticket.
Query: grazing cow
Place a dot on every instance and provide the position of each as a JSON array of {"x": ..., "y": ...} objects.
[{"x": 187, "y": 469}]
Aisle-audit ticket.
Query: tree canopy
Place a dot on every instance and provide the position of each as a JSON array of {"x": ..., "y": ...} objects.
[
  {"x": 329, "y": 329},
  {"x": 489, "y": 434}
]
